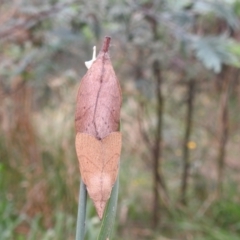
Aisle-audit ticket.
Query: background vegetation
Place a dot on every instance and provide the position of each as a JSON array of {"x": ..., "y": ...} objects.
[{"x": 178, "y": 64}]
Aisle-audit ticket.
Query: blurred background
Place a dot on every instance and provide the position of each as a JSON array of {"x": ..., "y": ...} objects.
[{"x": 178, "y": 65}]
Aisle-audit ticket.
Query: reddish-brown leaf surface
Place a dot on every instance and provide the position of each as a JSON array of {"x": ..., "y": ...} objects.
[
  {"x": 99, "y": 98},
  {"x": 98, "y": 140}
]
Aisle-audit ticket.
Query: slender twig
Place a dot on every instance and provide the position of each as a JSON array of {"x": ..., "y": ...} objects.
[
  {"x": 81, "y": 218},
  {"x": 158, "y": 179},
  {"x": 106, "y": 44},
  {"x": 224, "y": 127},
  {"x": 188, "y": 131}
]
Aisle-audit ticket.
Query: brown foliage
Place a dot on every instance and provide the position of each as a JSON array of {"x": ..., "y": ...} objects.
[{"x": 98, "y": 143}]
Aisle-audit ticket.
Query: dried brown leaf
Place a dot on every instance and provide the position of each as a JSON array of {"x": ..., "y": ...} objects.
[
  {"x": 99, "y": 99},
  {"x": 99, "y": 161},
  {"x": 98, "y": 142}
]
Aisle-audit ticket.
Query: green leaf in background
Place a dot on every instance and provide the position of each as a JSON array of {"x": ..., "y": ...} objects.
[
  {"x": 214, "y": 51},
  {"x": 234, "y": 48},
  {"x": 222, "y": 9}
]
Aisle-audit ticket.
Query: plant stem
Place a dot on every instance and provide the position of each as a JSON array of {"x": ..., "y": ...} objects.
[
  {"x": 110, "y": 214},
  {"x": 158, "y": 180},
  {"x": 224, "y": 128},
  {"x": 81, "y": 218},
  {"x": 188, "y": 131},
  {"x": 106, "y": 44}
]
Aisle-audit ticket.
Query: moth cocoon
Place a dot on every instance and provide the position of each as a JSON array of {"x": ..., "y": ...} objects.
[{"x": 88, "y": 64}]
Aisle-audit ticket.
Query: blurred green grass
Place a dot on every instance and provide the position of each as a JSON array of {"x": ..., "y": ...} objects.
[
  {"x": 56, "y": 220},
  {"x": 38, "y": 197}
]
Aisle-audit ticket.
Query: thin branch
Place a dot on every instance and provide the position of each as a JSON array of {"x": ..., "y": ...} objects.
[
  {"x": 106, "y": 44},
  {"x": 188, "y": 131}
]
